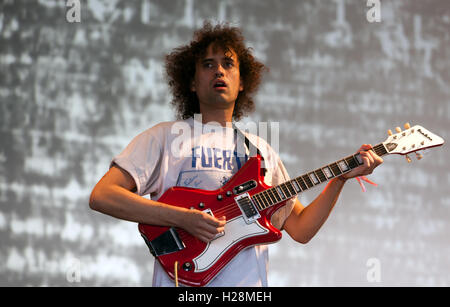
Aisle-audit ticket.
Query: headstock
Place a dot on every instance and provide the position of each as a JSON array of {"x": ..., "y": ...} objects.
[{"x": 412, "y": 139}]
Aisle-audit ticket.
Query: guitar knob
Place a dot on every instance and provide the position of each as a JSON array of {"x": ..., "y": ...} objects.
[
  {"x": 389, "y": 132},
  {"x": 418, "y": 156},
  {"x": 408, "y": 159},
  {"x": 187, "y": 266},
  {"x": 398, "y": 129},
  {"x": 407, "y": 126}
]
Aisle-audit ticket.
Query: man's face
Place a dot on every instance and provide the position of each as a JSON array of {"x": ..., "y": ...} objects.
[{"x": 217, "y": 79}]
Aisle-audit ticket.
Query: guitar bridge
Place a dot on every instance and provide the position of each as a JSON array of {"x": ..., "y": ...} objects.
[{"x": 248, "y": 209}]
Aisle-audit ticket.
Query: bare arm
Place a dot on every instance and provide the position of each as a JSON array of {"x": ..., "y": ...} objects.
[
  {"x": 113, "y": 195},
  {"x": 303, "y": 223}
]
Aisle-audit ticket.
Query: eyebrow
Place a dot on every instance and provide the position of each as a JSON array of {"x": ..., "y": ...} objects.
[{"x": 228, "y": 58}]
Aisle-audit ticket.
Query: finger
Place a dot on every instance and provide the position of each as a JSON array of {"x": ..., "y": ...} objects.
[
  {"x": 374, "y": 160},
  {"x": 207, "y": 236},
  {"x": 207, "y": 229},
  {"x": 371, "y": 159},
  {"x": 203, "y": 238},
  {"x": 378, "y": 160},
  {"x": 366, "y": 159},
  {"x": 222, "y": 220},
  {"x": 209, "y": 218},
  {"x": 366, "y": 147},
  {"x": 216, "y": 222}
]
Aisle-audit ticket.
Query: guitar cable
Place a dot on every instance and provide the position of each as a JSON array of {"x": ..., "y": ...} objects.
[{"x": 176, "y": 273}]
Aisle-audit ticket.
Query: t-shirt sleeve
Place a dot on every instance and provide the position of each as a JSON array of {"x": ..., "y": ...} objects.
[{"x": 142, "y": 160}]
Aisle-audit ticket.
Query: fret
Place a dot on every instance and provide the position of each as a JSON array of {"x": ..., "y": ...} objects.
[
  {"x": 257, "y": 197},
  {"x": 328, "y": 172},
  {"x": 275, "y": 194},
  {"x": 256, "y": 201},
  {"x": 265, "y": 198},
  {"x": 301, "y": 183},
  {"x": 335, "y": 168},
  {"x": 313, "y": 178},
  {"x": 320, "y": 175},
  {"x": 280, "y": 192},
  {"x": 296, "y": 186},
  {"x": 291, "y": 188},
  {"x": 272, "y": 198},
  {"x": 262, "y": 200},
  {"x": 286, "y": 190},
  {"x": 307, "y": 181},
  {"x": 351, "y": 161},
  {"x": 358, "y": 159},
  {"x": 380, "y": 149},
  {"x": 342, "y": 165}
]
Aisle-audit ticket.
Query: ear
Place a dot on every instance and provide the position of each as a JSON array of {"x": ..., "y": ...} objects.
[
  {"x": 193, "y": 86},
  {"x": 241, "y": 85}
]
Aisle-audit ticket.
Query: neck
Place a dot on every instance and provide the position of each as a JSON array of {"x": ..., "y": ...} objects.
[
  {"x": 221, "y": 116},
  {"x": 304, "y": 182}
]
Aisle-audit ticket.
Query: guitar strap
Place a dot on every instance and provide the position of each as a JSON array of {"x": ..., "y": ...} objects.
[{"x": 250, "y": 146}]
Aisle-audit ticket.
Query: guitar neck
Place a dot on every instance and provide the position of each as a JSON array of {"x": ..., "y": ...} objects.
[{"x": 291, "y": 188}]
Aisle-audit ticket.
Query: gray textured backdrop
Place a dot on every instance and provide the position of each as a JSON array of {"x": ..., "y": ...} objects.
[{"x": 72, "y": 95}]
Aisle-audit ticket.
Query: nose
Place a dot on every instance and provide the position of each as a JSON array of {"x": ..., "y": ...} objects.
[{"x": 219, "y": 72}]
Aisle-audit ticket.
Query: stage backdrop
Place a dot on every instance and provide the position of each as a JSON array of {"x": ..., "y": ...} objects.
[{"x": 80, "y": 79}]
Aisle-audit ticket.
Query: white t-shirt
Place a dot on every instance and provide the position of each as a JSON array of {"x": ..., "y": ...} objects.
[{"x": 189, "y": 153}]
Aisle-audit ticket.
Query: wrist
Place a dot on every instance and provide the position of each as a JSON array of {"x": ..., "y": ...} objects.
[{"x": 342, "y": 179}]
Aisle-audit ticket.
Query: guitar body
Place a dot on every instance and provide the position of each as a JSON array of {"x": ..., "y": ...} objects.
[{"x": 198, "y": 262}]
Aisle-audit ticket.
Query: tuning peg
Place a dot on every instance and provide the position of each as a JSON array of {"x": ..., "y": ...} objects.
[
  {"x": 398, "y": 129},
  {"x": 408, "y": 159},
  {"x": 418, "y": 156},
  {"x": 389, "y": 132},
  {"x": 407, "y": 126}
]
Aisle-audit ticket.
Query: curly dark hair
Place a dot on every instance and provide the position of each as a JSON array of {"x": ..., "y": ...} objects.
[{"x": 180, "y": 68}]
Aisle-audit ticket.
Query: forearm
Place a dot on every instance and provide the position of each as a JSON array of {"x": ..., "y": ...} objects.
[
  {"x": 118, "y": 202},
  {"x": 309, "y": 220}
]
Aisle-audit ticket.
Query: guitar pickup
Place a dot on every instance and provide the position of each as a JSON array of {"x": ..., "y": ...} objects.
[{"x": 248, "y": 209}]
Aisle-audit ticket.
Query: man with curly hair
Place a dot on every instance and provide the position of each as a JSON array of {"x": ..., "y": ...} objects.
[{"x": 212, "y": 80}]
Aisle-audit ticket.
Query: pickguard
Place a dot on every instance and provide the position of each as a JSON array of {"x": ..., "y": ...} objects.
[{"x": 235, "y": 230}]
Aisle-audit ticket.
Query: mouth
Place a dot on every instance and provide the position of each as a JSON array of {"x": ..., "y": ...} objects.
[{"x": 219, "y": 85}]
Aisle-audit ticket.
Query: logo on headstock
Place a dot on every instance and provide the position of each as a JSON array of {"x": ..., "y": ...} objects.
[
  {"x": 391, "y": 146},
  {"x": 424, "y": 134}
]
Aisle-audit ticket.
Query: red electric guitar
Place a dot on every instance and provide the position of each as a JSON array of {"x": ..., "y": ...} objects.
[{"x": 248, "y": 205}]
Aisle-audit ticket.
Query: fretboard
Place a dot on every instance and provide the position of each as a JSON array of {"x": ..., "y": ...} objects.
[{"x": 293, "y": 187}]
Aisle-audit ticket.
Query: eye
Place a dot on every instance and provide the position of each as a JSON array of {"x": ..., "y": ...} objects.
[{"x": 229, "y": 64}]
